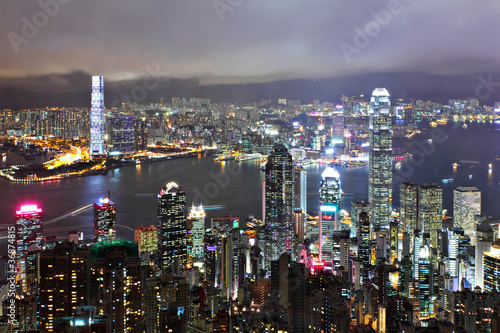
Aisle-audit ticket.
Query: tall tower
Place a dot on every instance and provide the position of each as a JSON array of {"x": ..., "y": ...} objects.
[
  {"x": 380, "y": 157},
  {"x": 104, "y": 220},
  {"x": 466, "y": 204},
  {"x": 196, "y": 219},
  {"x": 408, "y": 199},
  {"x": 279, "y": 203},
  {"x": 329, "y": 201},
  {"x": 430, "y": 211},
  {"x": 29, "y": 229},
  {"x": 97, "y": 117},
  {"x": 172, "y": 226},
  {"x": 300, "y": 189}
]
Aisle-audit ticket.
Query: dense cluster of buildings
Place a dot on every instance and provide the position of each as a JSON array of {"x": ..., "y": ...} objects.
[{"x": 384, "y": 266}]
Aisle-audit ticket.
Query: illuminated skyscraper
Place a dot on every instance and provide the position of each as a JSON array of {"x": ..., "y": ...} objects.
[
  {"x": 279, "y": 203},
  {"x": 147, "y": 238},
  {"x": 357, "y": 207},
  {"x": 408, "y": 209},
  {"x": 329, "y": 201},
  {"x": 300, "y": 189},
  {"x": 97, "y": 117},
  {"x": 380, "y": 157},
  {"x": 29, "y": 230},
  {"x": 196, "y": 219},
  {"x": 491, "y": 267},
  {"x": 430, "y": 211},
  {"x": 172, "y": 226},
  {"x": 104, "y": 220},
  {"x": 115, "y": 283},
  {"x": 209, "y": 257},
  {"x": 122, "y": 134},
  {"x": 466, "y": 204}
]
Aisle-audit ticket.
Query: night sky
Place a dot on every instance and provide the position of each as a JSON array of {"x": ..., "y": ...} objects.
[{"x": 244, "y": 41}]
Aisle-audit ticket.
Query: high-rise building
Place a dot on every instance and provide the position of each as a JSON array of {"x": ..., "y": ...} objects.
[
  {"x": 357, "y": 207},
  {"x": 172, "y": 227},
  {"x": 196, "y": 219},
  {"x": 29, "y": 231},
  {"x": 430, "y": 211},
  {"x": 278, "y": 204},
  {"x": 408, "y": 207},
  {"x": 300, "y": 189},
  {"x": 64, "y": 282},
  {"x": 364, "y": 239},
  {"x": 115, "y": 283},
  {"x": 329, "y": 201},
  {"x": 299, "y": 224},
  {"x": 104, "y": 220},
  {"x": 425, "y": 279},
  {"x": 484, "y": 239},
  {"x": 122, "y": 134},
  {"x": 209, "y": 257},
  {"x": 141, "y": 134},
  {"x": 466, "y": 204},
  {"x": 147, "y": 238},
  {"x": 97, "y": 117},
  {"x": 380, "y": 157},
  {"x": 491, "y": 267}
]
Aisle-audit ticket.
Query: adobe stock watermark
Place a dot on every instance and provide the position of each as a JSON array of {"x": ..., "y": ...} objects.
[
  {"x": 220, "y": 181},
  {"x": 31, "y": 27},
  {"x": 225, "y": 6},
  {"x": 11, "y": 276},
  {"x": 139, "y": 92},
  {"x": 364, "y": 35}
]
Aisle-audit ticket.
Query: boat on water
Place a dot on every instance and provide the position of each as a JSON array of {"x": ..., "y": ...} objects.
[
  {"x": 248, "y": 157},
  {"x": 447, "y": 180},
  {"x": 442, "y": 121},
  {"x": 226, "y": 158},
  {"x": 490, "y": 167},
  {"x": 464, "y": 126},
  {"x": 433, "y": 124}
]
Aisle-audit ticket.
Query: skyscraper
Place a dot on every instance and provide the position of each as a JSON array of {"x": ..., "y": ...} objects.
[
  {"x": 329, "y": 201},
  {"x": 147, "y": 238},
  {"x": 357, "y": 207},
  {"x": 380, "y": 157},
  {"x": 278, "y": 203},
  {"x": 197, "y": 220},
  {"x": 122, "y": 134},
  {"x": 408, "y": 209},
  {"x": 104, "y": 220},
  {"x": 29, "y": 229},
  {"x": 97, "y": 117},
  {"x": 172, "y": 226},
  {"x": 491, "y": 267},
  {"x": 430, "y": 211},
  {"x": 209, "y": 257},
  {"x": 466, "y": 204},
  {"x": 300, "y": 189}
]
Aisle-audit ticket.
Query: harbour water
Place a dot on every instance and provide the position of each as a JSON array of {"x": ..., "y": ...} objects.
[{"x": 236, "y": 188}]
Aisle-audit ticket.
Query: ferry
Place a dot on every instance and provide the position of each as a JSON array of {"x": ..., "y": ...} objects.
[
  {"x": 442, "y": 121},
  {"x": 447, "y": 180},
  {"x": 490, "y": 167},
  {"x": 464, "y": 126},
  {"x": 248, "y": 157},
  {"x": 433, "y": 124}
]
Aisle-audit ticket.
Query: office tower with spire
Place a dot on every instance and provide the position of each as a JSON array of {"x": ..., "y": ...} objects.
[
  {"x": 172, "y": 227},
  {"x": 466, "y": 204},
  {"x": 97, "y": 117},
  {"x": 278, "y": 203},
  {"x": 329, "y": 202},
  {"x": 104, "y": 220},
  {"x": 380, "y": 157}
]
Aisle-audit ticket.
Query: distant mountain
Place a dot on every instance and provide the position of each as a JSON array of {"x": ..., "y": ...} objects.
[{"x": 74, "y": 89}]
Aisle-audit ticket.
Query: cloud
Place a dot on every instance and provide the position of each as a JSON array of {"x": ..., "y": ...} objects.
[{"x": 257, "y": 41}]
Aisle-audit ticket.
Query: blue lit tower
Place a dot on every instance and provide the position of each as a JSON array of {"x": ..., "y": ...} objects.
[
  {"x": 329, "y": 201},
  {"x": 172, "y": 227},
  {"x": 278, "y": 203},
  {"x": 97, "y": 117},
  {"x": 380, "y": 157}
]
